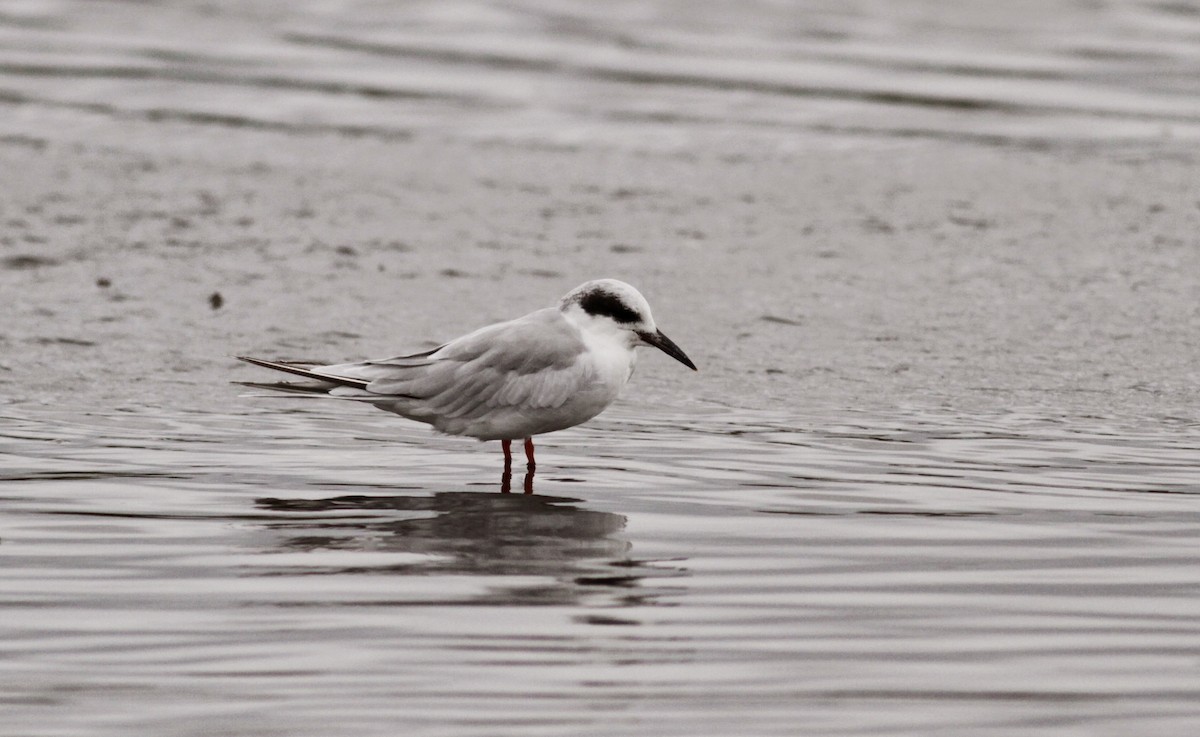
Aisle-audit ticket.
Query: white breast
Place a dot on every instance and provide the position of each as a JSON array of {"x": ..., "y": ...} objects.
[{"x": 603, "y": 369}]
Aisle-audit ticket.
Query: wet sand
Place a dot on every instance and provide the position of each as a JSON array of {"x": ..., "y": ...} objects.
[{"x": 820, "y": 272}]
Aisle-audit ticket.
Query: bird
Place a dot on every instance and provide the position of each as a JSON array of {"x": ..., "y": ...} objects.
[{"x": 549, "y": 370}]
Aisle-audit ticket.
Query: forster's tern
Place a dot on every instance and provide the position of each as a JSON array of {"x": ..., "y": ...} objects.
[{"x": 549, "y": 370}]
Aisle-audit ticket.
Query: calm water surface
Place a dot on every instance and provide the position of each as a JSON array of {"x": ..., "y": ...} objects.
[
  {"x": 643, "y": 71},
  {"x": 309, "y": 571}
]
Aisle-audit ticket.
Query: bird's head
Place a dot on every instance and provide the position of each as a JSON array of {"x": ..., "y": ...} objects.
[{"x": 613, "y": 306}]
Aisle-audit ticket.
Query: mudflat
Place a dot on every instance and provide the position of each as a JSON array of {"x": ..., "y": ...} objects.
[
  {"x": 829, "y": 206},
  {"x": 136, "y": 257}
]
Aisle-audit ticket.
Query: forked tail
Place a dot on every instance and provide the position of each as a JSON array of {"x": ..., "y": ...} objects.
[{"x": 325, "y": 381}]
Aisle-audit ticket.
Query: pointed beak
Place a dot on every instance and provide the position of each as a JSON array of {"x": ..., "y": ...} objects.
[{"x": 667, "y": 346}]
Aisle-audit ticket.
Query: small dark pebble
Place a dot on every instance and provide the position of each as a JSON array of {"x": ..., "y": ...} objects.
[
  {"x": 215, "y": 300},
  {"x": 453, "y": 273},
  {"x": 346, "y": 251},
  {"x": 104, "y": 282}
]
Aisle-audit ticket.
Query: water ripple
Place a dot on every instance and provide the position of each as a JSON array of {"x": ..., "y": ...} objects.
[
  {"x": 1067, "y": 72},
  {"x": 899, "y": 574}
]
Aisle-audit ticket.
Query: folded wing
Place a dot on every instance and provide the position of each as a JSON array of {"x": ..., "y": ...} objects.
[{"x": 532, "y": 362}]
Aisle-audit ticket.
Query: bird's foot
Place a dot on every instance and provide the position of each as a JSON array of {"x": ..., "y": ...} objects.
[
  {"x": 531, "y": 464},
  {"x": 530, "y": 467}
]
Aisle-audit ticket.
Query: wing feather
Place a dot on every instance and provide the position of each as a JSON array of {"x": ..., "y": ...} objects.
[{"x": 531, "y": 362}]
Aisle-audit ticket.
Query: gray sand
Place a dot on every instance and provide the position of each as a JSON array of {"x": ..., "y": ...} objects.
[{"x": 834, "y": 272}]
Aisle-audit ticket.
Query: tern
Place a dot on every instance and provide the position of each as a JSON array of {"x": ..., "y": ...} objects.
[{"x": 551, "y": 369}]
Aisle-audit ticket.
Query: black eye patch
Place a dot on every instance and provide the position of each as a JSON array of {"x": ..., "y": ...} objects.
[{"x": 605, "y": 303}]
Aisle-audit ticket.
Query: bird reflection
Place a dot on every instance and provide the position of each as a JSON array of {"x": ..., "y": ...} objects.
[
  {"x": 506, "y": 478},
  {"x": 469, "y": 532}
]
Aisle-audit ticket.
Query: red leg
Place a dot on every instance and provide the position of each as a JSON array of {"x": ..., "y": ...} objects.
[
  {"x": 530, "y": 465},
  {"x": 506, "y": 477},
  {"x": 529, "y": 453}
]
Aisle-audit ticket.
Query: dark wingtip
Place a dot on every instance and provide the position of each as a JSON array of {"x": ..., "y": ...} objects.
[{"x": 298, "y": 370}]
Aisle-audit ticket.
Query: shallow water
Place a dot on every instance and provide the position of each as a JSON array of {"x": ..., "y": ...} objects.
[
  {"x": 312, "y": 571},
  {"x": 648, "y": 72}
]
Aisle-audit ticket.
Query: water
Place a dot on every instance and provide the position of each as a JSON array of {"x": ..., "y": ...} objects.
[
  {"x": 315, "y": 572},
  {"x": 618, "y": 72}
]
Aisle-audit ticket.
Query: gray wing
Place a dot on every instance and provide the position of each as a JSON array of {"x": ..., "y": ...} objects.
[{"x": 530, "y": 362}]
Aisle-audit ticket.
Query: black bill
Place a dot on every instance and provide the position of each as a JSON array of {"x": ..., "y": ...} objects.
[{"x": 667, "y": 346}]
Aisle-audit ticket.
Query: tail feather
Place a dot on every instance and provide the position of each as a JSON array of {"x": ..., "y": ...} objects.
[
  {"x": 286, "y": 387},
  {"x": 307, "y": 373}
]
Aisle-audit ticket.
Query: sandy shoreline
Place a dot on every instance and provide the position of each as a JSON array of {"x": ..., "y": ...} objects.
[{"x": 831, "y": 272}]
